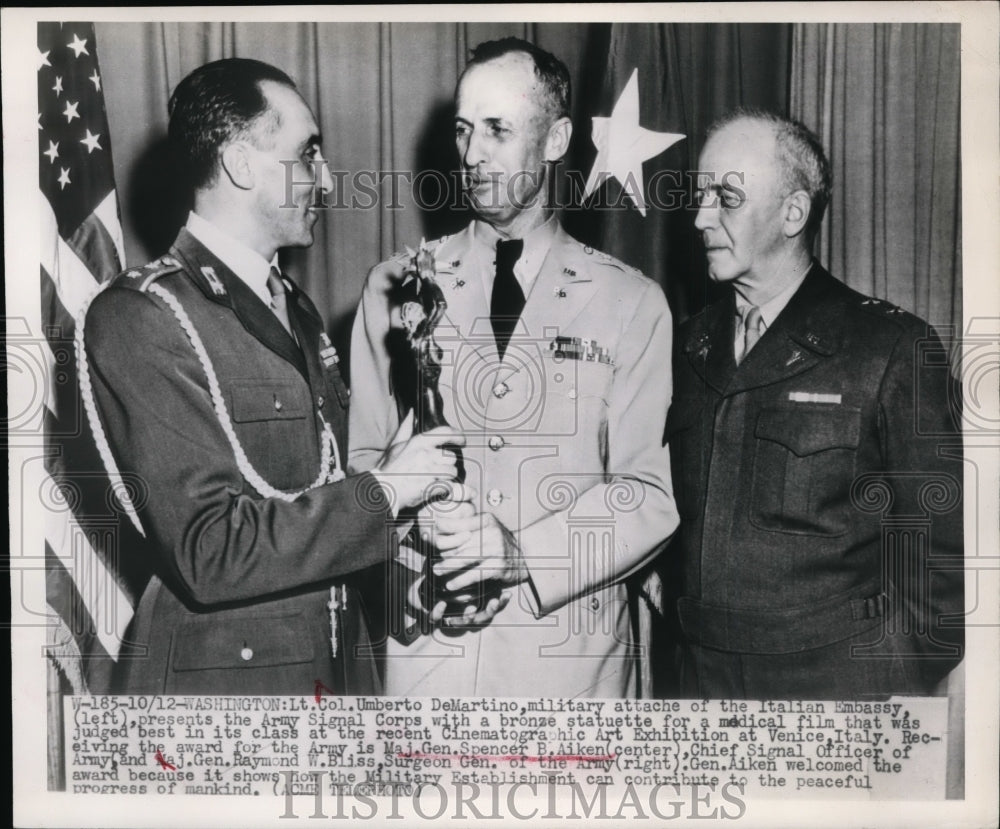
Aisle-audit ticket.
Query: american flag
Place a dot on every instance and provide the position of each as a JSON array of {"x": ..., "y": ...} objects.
[{"x": 89, "y": 592}]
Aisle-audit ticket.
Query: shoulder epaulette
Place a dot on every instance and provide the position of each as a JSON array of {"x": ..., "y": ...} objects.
[
  {"x": 141, "y": 278},
  {"x": 884, "y": 308},
  {"x": 602, "y": 258}
]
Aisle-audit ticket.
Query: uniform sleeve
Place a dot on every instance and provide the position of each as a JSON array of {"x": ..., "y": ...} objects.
[
  {"x": 373, "y": 416},
  {"x": 922, "y": 453},
  {"x": 637, "y": 492},
  {"x": 216, "y": 539}
]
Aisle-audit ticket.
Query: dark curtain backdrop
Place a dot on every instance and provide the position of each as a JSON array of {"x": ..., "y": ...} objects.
[{"x": 885, "y": 98}]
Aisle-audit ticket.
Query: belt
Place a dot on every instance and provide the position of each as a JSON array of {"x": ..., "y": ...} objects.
[{"x": 743, "y": 630}]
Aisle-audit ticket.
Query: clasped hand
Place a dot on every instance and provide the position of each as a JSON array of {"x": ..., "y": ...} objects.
[
  {"x": 473, "y": 548},
  {"x": 414, "y": 465}
]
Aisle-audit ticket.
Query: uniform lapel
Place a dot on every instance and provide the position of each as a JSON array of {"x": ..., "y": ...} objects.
[
  {"x": 709, "y": 347},
  {"x": 805, "y": 333},
  {"x": 563, "y": 288},
  {"x": 460, "y": 276},
  {"x": 222, "y": 286},
  {"x": 309, "y": 329}
]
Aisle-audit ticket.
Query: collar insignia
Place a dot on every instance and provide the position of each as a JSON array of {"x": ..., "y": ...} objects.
[
  {"x": 213, "y": 280},
  {"x": 796, "y": 356}
]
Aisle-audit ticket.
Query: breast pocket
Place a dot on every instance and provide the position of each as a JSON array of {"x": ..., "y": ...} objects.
[
  {"x": 577, "y": 396},
  {"x": 276, "y": 428},
  {"x": 804, "y": 462}
]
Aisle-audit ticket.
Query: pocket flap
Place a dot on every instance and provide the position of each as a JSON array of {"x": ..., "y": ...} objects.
[
  {"x": 266, "y": 401},
  {"x": 243, "y": 642},
  {"x": 807, "y": 430}
]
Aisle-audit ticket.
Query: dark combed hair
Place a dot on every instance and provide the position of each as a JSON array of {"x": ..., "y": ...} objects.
[
  {"x": 550, "y": 71},
  {"x": 215, "y": 104},
  {"x": 803, "y": 161}
]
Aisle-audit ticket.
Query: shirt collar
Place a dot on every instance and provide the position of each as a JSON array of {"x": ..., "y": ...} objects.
[
  {"x": 529, "y": 264},
  {"x": 770, "y": 310},
  {"x": 248, "y": 265}
]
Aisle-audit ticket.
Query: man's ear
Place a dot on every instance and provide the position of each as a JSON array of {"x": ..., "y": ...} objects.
[
  {"x": 557, "y": 140},
  {"x": 796, "y": 208},
  {"x": 237, "y": 166}
]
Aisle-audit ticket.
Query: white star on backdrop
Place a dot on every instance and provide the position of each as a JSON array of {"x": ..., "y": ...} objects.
[
  {"x": 43, "y": 60},
  {"x": 52, "y": 152},
  {"x": 622, "y": 146},
  {"x": 63, "y": 178},
  {"x": 95, "y": 79},
  {"x": 91, "y": 142},
  {"x": 70, "y": 111},
  {"x": 78, "y": 46},
  {"x": 58, "y": 87}
]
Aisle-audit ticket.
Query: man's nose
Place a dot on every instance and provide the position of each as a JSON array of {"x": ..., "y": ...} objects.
[
  {"x": 708, "y": 212},
  {"x": 475, "y": 149},
  {"x": 324, "y": 181}
]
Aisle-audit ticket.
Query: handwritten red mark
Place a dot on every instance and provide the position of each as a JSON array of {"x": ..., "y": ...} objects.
[
  {"x": 525, "y": 758},
  {"x": 163, "y": 763},
  {"x": 319, "y": 689}
]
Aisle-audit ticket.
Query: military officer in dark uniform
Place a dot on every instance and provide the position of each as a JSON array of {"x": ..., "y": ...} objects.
[
  {"x": 208, "y": 375},
  {"x": 814, "y": 454}
]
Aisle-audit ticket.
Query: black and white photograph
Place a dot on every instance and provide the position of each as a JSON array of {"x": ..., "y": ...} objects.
[{"x": 553, "y": 415}]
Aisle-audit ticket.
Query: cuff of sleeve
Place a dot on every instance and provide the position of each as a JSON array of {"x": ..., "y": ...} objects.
[
  {"x": 385, "y": 492},
  {"x": 548, "y": 585}
]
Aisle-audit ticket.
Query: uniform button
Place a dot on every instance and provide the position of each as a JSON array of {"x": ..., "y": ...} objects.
[
  {"x": 500, "y": 389},
  {"x": 494, "y": 497},
  {"x": 572, "y": 394},
  {"x": 277, "y": 405},
  {"x": 595, "y": 603},
  {"x": 246, "y": 654},
  {"x": 497, "y": 442},
  {"x": 320, "y": 401}
]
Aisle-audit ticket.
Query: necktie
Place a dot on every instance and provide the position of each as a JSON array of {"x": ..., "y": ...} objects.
[
  {"x": 507, "y": 300},
  {"x": 751, "y": 330},
  {"x": 277, "y": 289}
]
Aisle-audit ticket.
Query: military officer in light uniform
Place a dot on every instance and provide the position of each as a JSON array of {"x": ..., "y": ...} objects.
[{"x": 556, "y": 370}]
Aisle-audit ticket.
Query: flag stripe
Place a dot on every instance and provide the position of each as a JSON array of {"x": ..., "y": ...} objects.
[
  {"x": 74, "y": 281},
  {"x": 67, "y": 603},
  {"x": 95, "y": 502},
  {"x": 97, "y": 589},
  {"x": 92, "y": 502},
  {"x": 107, "y": 213},
  {"x": 59, "y": 325},
  {"x": 94, "y": 246}
]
